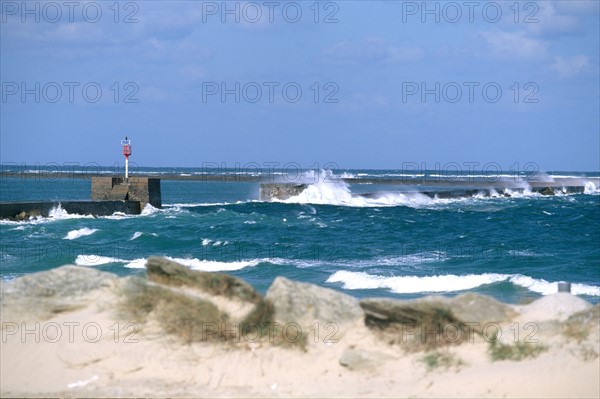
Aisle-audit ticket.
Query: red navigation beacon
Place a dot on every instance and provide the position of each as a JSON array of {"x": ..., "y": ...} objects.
[{"x": 127, "y": 152}]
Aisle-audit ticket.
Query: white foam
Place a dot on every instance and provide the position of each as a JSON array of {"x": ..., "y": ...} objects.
[
  {"x": 149, "y": 210},
  {"x": 192, "y": 263},
  {"x": 57, "y": 213},
  {"x": 338, "y": 193},
  {"x": 118, "y": 216},
  {"x": 215, "y": 266},
  {"x": 544, "y": 287},
  {"x": 414, "y": 284},
  {"x": 135, "y": 235},
  {"x": 206, "y": 242},
  {"x": 139, "y": 263},
  {"x": 74, "y": 234},
  {"x": 590, "y": 188},
  {"x": 449, "y": 283},
  {"x": 96, "y": 260}
]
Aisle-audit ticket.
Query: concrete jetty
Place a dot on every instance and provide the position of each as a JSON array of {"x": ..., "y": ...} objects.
[
  {"x": 23, "y": 210},
  {"x": 145, "y": 190},
  {"x": 109, "y": 195},
  {"x": 439, "y": 189}
]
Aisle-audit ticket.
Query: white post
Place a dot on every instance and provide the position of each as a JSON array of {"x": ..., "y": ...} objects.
[{"x": 126, "y": 168}]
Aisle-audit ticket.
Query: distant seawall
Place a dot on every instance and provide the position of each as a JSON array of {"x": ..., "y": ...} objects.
[{"x": 452, "y": 189}]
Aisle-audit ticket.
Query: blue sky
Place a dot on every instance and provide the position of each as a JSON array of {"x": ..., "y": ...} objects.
[{"x": 381, "y": 83}]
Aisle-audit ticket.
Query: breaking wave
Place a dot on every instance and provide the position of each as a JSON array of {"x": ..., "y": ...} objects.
[
  {"x": 74, "y": 234},
  {"x": 192, "y": 263},
  {"x": 449, "y": 283}
]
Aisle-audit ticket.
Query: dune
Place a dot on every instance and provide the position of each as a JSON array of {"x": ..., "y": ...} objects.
[{"x": 77, "y": 331}]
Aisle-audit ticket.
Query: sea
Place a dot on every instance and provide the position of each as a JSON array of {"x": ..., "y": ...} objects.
[{"x": 358, "y": 236}]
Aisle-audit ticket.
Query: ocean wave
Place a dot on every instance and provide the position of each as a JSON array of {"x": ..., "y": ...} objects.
[
  {"x": 449, "y": 283},
  {"x": 325, "y": 193},
  {"x": 410, "y": 261},
  {"x": 203, "y": 265},
  {"x": 192, "y": 263},
  {"x": 544, "y": 287},
  {"x": 149, "y": 210},
  {"x": 56, "y": 213},
  {"x": 340, "y": 194},
  {"x": 97, "y": 260},
  {"x": 119, "y": 216},
  {"x": 138, "y": 234},
  {"x": 74, "y": 234}
]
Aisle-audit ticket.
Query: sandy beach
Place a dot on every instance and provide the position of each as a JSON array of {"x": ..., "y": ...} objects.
[{"x": 62, "y": 341}]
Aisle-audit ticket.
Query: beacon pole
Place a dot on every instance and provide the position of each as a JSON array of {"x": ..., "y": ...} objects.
[{"x": 127, "y": 152}]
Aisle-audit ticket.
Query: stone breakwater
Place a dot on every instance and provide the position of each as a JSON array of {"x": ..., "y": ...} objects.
[{"x": 83, "y": 332}]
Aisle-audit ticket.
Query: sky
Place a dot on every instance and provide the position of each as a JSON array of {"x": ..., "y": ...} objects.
[{"x": 355, "y": 84}]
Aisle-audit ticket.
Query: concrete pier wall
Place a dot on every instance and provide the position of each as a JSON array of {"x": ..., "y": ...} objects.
[
  {"x": 283, "y": 191},
  {"x": 22, "y": 210},
  {"x": 280, "y": 191},
  {"x": 146, "y": 190}
]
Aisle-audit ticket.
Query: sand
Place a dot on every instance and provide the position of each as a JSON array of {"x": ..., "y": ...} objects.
[{"x": 87, "y": 351}]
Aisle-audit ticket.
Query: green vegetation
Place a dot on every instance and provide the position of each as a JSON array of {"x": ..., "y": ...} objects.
[
  {"x": 185, "y": 317},
  {"x": 421, "y": 326},
  {"x": 164, "y": 271},
  {"x": 516, "y": 352},
  {"x": 193, "y": 319},
  {"x": 441, "y": 359}
]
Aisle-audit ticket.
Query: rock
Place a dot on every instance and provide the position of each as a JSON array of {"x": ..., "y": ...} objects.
[
  {"x": 559, "y": 306},
  {"x": 63, "y": 289},
  {"x": 167, "y": 272},
  {"x": 381, "y": 312},
  {"x": 306, "y": 304},
  {"x": 357, "y": 359},
  {"x": 547, "y": 191},
  {"x": 422, "y": 324},
  {"x": 474, "y": 308}
]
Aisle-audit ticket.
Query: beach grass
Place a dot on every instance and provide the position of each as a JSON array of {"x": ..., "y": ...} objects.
[
  {"x": 520, "y": 350},
  {"x": 441, "y": 359}
]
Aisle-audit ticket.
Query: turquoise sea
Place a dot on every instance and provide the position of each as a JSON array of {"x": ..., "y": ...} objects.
[{"x": 398, "y": 243}]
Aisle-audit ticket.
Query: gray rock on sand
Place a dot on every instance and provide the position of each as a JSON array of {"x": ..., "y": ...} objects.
[
  {"x": 467, "y": 308},
  {"x": 306, "y": 304},
  {"x": 358, "y": 359},
  {"x": 44, "y": 294},
  {"x": 474, "y": 308}
]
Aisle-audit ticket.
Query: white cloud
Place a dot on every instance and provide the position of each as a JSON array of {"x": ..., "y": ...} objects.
[
  {"x": 370, "y": 51},
  {"x": 569, "y": 67},
  {"x": 551, "y": 22},
  {"x": 515, "y": 44}
]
